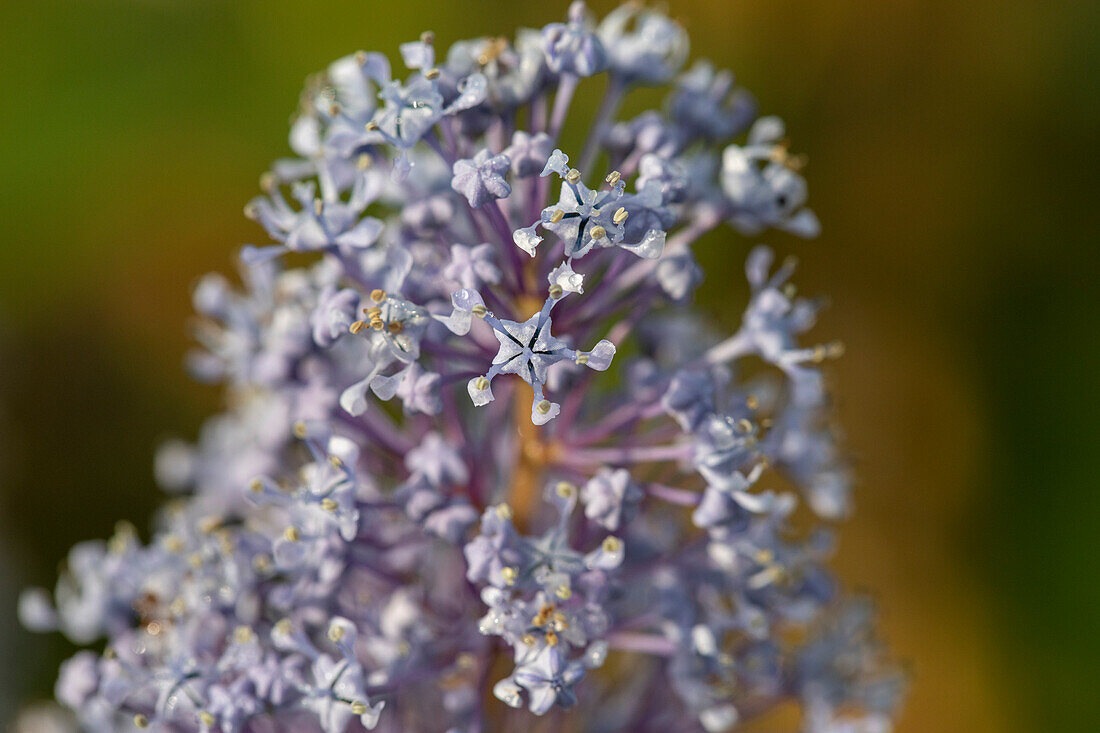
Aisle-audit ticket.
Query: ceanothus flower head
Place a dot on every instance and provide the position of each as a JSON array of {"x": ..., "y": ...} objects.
[{"x": 473, "y": 449}]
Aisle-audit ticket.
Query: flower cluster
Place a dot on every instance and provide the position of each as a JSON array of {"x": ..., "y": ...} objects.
[{"x": 425, "y": 505}]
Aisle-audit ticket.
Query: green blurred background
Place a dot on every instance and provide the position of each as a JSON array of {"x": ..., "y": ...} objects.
[{"x": 953, "y": 152}]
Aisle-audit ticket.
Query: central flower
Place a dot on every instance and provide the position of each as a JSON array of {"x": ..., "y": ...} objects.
[{"x": 528, "y": 349}]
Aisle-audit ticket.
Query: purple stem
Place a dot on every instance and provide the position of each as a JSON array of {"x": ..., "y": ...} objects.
[
  {"x": 504, "y": 230},
  {"x": 636, "y": 454},
  {"x": 538, "y": 109},
  {"x": 380, "y": 430},
  {"x": 680, "y": 497},
  {"x": 616, "y": 421},
  {"x": 632, "y": 641},
  {"x": 562, "y": 100},
  {"x": 609, "y": 105}
]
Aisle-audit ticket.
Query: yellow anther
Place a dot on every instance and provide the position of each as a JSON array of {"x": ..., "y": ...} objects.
[
  {"x": 620, "y": 215},
  {"x": 466, "y": 660},
  {"x": 396, "y": 327},
  {"x": 789, "y": 290},
  {"x": 563, "y": 592},
  {"x": 371, "y": 126},
  {"x": 504, "y": 511},
  {"x": 318, "y": 206},
  {"x": 378, "y": 295},
  {"x": 356, "y": 326},
  {"x": 207, "y": 719},
  {"x": 528, "y": 639},
  {"x": 764, "y": 556},
  {"x": 261, "y": 563},
  {"x": 336, "y": 461},
  {"x": 427, "y": 37},
  {"x": 207, "y": 525},
  {"x": 565, "y": 489},
  {"x": 556, "y": 291},
  {"x": 597, "y": 232},
  {"x": 299, "y": 429},
  {"x": 141, "y": 721},
  {"x": 543, "y": 407},
  {"x": 582, "y": 359},
  {"x": 835, "y": 349},
  {"x": 243, "y": 634},
  {"x": 744, "y": 425},
  {"x": 292, "y": 534},
  {"x": 431, "y": 74},
  {"x": 372, "y": 312},
  {"x": 557, "y": 216},
  {"x": 153, "y": 628},
  {"x": 613, "y": 177},
  {"x": 573, "y": 175},
  {"x": 336, "y": 632},
  {"x": 284, "y": 627},
  {"x": 796, "y": 162},
  {"x": 551, "y": 638},
  {"x": 481, "y": 384},
  {"x": 377, "y": 324},
  {"x": 359, "y": 707},
  {"x": 612, "y": 544},
  {"x": 363, "y": 162},
  {"x": 493, "y": 48},
  {"x": 479, "y": 310},
  {"x": 752, "y": 402},
  {"x": 329, "y": 505},
  {"x": 509, "y": 574},
  {"x": 267, "y": 181}
]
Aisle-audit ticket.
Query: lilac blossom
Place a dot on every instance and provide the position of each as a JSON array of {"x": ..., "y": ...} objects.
[{"x": 473, "y": 449}]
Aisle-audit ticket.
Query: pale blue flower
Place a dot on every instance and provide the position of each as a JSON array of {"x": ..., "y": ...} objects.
[{"x": 481, "y": 179}]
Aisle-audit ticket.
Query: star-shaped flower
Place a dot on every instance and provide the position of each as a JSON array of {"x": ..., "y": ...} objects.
[
  {"x": 481, "y": 178},
  {"x": 529, "y": 349}
]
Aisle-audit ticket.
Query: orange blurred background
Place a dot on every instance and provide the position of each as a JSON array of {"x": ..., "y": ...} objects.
[{"x": 952, "y": 150}]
